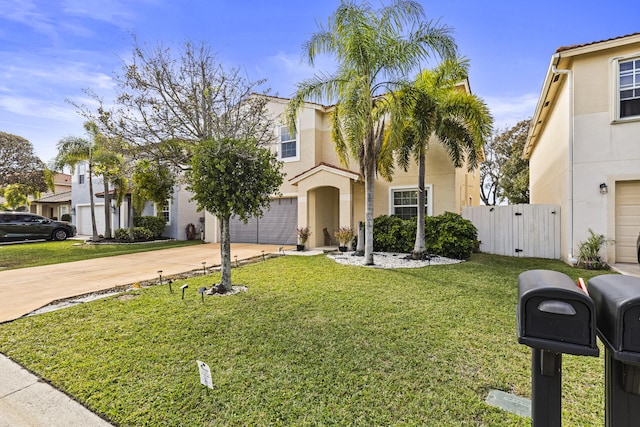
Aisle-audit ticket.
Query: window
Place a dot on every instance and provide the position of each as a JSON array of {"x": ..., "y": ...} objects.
[
  {"x": 404, "y": 202},
  {"x": 288, "y": 144},
  {"x": 165, "y": 211},
  {"x": 629, "y": 88},
  {"x": 81, "y": 171}
]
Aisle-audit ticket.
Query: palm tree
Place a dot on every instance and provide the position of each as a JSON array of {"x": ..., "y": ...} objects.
[
  {"x": 110, "y": 164},
  {"x": 374, "y": 51},
  {"x": 436, "y": 107},
  {"x": 74, "y": 150}
]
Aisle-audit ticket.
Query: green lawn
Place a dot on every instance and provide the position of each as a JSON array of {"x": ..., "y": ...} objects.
[
  {"x": 43, "y": 253},
  {"x": 311, "y": 343}
]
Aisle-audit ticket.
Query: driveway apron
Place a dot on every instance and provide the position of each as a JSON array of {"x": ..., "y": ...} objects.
[{"x": 25, "y": 290}]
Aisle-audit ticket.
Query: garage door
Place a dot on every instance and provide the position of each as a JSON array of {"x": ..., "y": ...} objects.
[
  {"x": 83, "y": 219},
  {"x": 277, "y": 226},
  {"x": 627, "y": 220}
]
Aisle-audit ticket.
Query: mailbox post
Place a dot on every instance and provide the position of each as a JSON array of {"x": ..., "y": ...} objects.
[
  {"x": 617, "y": 301},
  {"x": 554, "y": 316}
]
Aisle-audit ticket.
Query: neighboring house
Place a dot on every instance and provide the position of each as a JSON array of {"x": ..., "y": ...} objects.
[
  {"x": 54, "y": 204},
  {"x": 178, "y": 212},
  {"x": 321, "y": 193},
  {"x": 584, "y": 144}
]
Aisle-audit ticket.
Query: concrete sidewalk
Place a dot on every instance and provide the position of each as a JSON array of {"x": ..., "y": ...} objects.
[{"x": 27, "y": 401}]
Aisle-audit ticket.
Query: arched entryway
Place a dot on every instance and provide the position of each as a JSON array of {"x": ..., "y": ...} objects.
[{"x": 325, "y": 200}]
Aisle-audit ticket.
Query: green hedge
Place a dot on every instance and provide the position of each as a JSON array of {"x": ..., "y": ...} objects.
[
  {"x": 447, "y": 235},
  {"x": 153, "y": 223},
  {"x": 139, "y": 233}
]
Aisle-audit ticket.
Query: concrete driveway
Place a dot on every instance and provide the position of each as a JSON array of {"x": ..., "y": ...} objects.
[{"x": 27, "y": 289}]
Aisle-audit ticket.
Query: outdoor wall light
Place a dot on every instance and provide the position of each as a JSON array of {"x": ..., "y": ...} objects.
[
  {"x": 183, "y": 287},
  {"x": 603, "y": 188}
]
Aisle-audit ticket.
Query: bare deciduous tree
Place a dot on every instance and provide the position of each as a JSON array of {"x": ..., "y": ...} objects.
[{"x": 170, "y": 100}]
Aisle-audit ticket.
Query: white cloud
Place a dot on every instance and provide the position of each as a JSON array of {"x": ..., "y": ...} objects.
[
  {"x": 27, "y": 13},
  {"x": 115, "y": 12},
  {"x": 285, "y": 70},
  {"x": 507, "y": 111}
]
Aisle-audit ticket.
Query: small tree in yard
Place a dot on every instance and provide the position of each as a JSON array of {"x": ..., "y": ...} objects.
[{"x": 233, "y": 177}]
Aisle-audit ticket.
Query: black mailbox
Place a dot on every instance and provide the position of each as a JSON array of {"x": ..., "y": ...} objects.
[
  {"x": 617, "y": 300},
  {"x": 555, "y": 314}
]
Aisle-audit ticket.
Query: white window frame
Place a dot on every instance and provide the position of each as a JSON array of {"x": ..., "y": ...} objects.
[
  {"x": 279, "y": 143},
  {"x": 615, "y": 71},
  {"x": 82, "y": 172},
  {"x": 429, "y": 199},
  {"x": 168, "y": 210}
]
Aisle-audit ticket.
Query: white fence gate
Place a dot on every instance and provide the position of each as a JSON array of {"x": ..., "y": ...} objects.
[{"x": 517, "y": 230}]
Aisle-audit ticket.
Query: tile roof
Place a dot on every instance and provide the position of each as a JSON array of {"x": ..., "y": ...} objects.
[
  {"x": 574, "y": 46},
  {"x": 63, "y": 196}
]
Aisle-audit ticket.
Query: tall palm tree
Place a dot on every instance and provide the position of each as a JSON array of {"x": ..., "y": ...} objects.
[
  {"x": 74, "y": 150},
  {"x": 435, "y": 107},
  {"x": 374, "y": 51}
]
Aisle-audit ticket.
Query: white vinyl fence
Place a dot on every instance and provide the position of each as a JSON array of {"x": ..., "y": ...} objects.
[{"x": 517, "y": 230}]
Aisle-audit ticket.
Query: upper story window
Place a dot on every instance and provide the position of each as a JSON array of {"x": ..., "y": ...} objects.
[
  {"x": 288, "y": 147},
  {"x": 404, "y": 202},
  {"x": 82, "y": 169},
  {"x": 629, "y": 88}
]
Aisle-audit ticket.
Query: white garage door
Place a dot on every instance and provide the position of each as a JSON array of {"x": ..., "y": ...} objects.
[
  {"x": 627, "y": 220},
  {"x": 83, "y": 219},
  {"x": 277, "y": 226}
]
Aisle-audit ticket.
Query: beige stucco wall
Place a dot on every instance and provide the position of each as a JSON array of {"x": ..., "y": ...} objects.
[
  {"x": 605, "y": 150},
  {"x": 331, "y": 199}
]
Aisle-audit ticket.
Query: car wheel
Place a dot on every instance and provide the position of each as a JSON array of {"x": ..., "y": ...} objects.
[{"x": 60, "y": 234}]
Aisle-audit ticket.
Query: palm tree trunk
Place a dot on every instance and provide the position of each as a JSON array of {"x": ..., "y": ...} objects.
[
  {"x": 107, "y": 209},
  {"x": 132, "y": 212},
  {"x": 225, "y": 254},
  {"x": 369, "y": 180},
  {"x": 420, "y": 246},
  {"x": 94, "y": 229}
]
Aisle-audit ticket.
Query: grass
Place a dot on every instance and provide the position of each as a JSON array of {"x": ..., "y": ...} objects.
[
  {"x": 44, "y": 253},
  {"x": 311, "y": 343}
]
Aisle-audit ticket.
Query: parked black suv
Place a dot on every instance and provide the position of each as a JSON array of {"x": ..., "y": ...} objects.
[{"x": 24, "y": 226}]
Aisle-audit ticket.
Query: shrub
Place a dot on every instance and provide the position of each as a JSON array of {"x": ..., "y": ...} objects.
[
  {"x": 393, "y": 234},
  {"x": 450, "y": 235},
  {"x": 447, "y": 235},
  {"x": 139, "y": 233},
  {"x": 66, "y": 217},
  {"x": 153, "y": 223},
  {"x": 589, "y": 251}
]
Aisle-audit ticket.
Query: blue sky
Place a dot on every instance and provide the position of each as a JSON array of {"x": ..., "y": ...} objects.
[{"x": 52, "y": 49}]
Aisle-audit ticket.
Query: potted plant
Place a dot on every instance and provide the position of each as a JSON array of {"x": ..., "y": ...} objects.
[
  {"x": 303, "y": 236},
  {"x": 344, "y": 236},
  {"x": 589, "y": 251}
]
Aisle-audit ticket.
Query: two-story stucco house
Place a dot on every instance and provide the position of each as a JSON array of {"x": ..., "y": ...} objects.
[
  {"x": 321, "y": 193},
  {"x": 178, "y": 212},
  {"x": 584, "y": 144},
  {"x": 318, "y": 191}
]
